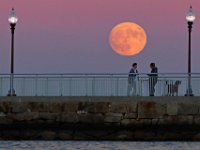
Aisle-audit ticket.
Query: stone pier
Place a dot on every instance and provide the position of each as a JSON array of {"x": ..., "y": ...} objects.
[{"x": 100, "y": 118}]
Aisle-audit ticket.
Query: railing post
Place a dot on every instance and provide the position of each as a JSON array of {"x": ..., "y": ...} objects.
[
  {"x": 93, "y": 86},
  {"x": 86, "y": 85},
  {"x": 36, "y": 78},
  {"x": 60, "y": 84}
]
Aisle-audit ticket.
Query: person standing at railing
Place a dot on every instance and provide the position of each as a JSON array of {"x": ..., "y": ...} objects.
[
  {"x": 132, "y": 81},
  {"x": 153, "y": 77}
]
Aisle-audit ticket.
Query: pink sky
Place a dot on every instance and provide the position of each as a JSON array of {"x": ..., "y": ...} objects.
[{"x": 71, "y": 36}]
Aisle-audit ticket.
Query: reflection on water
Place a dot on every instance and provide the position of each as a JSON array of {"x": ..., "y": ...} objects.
[{"x": 97, "y": 145}]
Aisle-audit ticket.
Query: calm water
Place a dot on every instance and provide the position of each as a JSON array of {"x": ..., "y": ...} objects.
[{"x": 84, "y": 145}]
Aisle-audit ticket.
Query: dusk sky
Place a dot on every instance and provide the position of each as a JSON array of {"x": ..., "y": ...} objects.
[{"x": 72, "y": 36}]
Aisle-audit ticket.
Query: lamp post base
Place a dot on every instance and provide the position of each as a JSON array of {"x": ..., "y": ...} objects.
[
  {"x": 189, "y": 92},
  {"x": 11, "y": 93}
]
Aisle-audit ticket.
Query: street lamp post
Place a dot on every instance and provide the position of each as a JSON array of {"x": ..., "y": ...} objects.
[
  {"x": 190, "y": 17},
  {"x": 12, "y": 20}
]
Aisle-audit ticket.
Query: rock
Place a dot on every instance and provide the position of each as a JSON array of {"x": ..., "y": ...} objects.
[
  {"x": 69, "y": 117},
  {"x": 124, "y": 135},
  {"x": 172, "y": 108},
  {"x": 91, "y": 118},
  {"x": 123, "y": 107},
  {"x": 179, "y": 120},
  {"x": 49, "y": 116},
  {"x": 151, "y": 109},
  {"x": 48, "y": 135},
  {"x": 19, "y": 107},
  {"x": 113, "y": 117},
  {"x": 70, "y": 107},
  {"x": 4, "y": 120},
  {"x": 26, "y": 116},
  {"x": 187, "y": 109},
  {"x": 197, "y": 120},
  {"x": 130, "y": 115},
  {"x": 64, "y": 136},
  {"x": 97, "y": 107},
  {"x": 5, "y": 107}
]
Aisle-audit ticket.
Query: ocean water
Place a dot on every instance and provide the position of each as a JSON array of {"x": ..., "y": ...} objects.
[{"x": 97, "y": 145}]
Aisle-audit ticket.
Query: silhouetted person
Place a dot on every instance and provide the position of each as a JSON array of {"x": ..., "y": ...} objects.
[
  {"x": 153, "y": 76},
  {"x": 132, "y": 81}
]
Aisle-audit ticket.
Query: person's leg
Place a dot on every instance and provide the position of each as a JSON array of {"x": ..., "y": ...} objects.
[
  {"x": 130, "y": 87},
  {"x": 154, "y": 80},
  {"x": 151, "y": 87},
  {"x": 134, "y": 87}
]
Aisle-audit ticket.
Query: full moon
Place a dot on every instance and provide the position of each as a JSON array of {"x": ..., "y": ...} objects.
[{"x": 127, "y": 39}]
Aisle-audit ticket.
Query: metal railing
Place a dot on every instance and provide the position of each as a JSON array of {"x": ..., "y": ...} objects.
[{"x": 98, "y": 84}]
